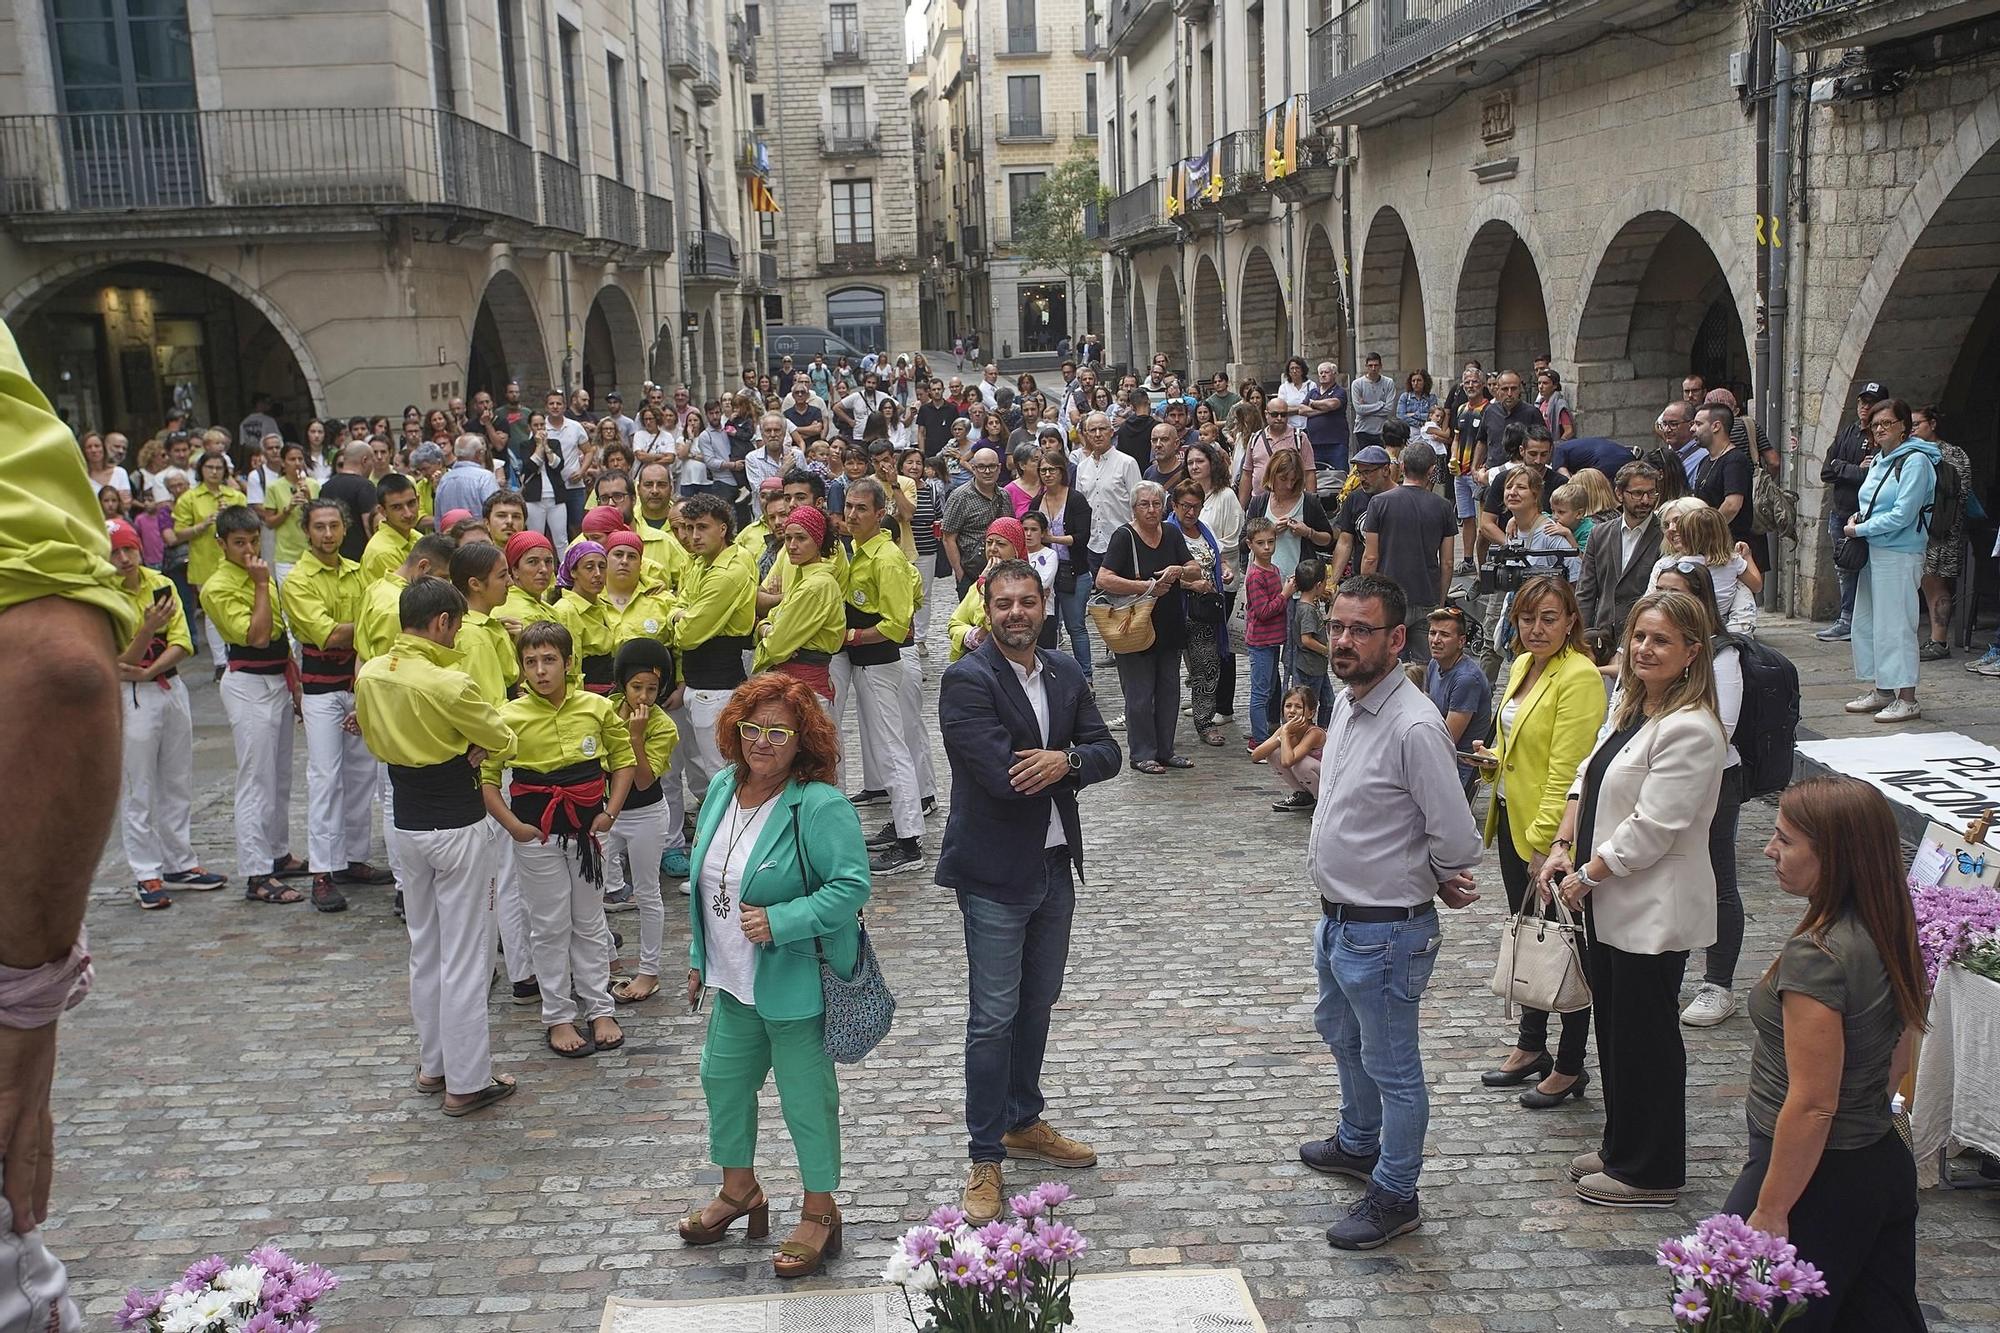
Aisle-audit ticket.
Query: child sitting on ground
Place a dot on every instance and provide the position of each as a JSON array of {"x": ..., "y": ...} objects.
[{"x": 1294, "y": 750}]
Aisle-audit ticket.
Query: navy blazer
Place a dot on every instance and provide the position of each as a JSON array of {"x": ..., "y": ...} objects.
[{"x": 993, "y": 831}]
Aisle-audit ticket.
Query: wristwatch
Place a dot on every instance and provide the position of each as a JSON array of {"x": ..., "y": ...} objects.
[
  {"x": 1583, "y": 874},
  {"x": 1075, "y": 763}
]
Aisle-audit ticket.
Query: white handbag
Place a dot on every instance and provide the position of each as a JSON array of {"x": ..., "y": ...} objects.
[{"x": 1541, "y": 961}]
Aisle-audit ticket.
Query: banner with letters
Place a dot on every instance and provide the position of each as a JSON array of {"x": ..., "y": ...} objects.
[{"x": 1946, "y": 777}]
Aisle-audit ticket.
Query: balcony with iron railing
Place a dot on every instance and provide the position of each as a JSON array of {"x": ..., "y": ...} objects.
[
  {"x": 837, "y": 258},
  {"x": 767, "y": 270},
  {"x": 1086, "y": 37},
  {"x": 753, "y": 156},
  {"x": 710, "y": 256},
  {"x": 850, "y": 138},
  {"x": 657, "y": 213},
  {"x": 1377, "y": 60},
  {"x": 1136, "y": 217},
  {"x": 742, "y": 44},
  {"x": 708, "y": 74},
  {"x": 1818, "y": 24},
  {"x": 1018, "y": 42},
  {"x": 682, "y": 44},
  {"x": 1023, "y": 127},
  {"x": 1128, "y": 22},
  {"x": 843, "y": 46},
  {"x": 562, "y": 193},
  {"x": 613, "y": 213},
  {"x": 1082, "y": 126},
  {"x": 267, "y": 170}
]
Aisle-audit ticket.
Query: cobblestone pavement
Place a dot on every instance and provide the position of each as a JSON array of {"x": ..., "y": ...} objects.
[{"x": 242, "y": 1073}]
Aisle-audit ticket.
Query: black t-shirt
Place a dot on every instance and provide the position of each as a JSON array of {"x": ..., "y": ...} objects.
[
  {"x": 1496, "y": 486},
  {"x": 1131, "y": 558},
  {"x": 1468, "y": 426},
  {"x": 1347, "y": 519},
  {"x": 1410, "y": 524},
  {"x": 805, "y": 416},
  {"x": 358, "y": 494},
  {"x": 934, "y": 420},
  {"x": 1719, "y": 478},
  {"x": 1135, "y": 439}
]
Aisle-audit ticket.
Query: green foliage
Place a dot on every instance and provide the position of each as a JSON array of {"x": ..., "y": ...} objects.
[{"x": 1050, "y": 232}]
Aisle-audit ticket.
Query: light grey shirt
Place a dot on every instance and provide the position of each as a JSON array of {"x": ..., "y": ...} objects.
[
  {"x": 1392, "y": 820},
  {"x": 1369, "y": 403},
  {"x": 464, "y": 485}
]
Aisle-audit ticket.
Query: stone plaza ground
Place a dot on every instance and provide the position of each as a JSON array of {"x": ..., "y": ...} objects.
[{"x": 243, "y": 1073}]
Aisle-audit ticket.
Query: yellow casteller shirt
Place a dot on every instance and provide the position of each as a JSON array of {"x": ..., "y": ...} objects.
[
  {"x": 319, "y": 597},
  {"x": 381, "y": 618},
  {"x": 385, "y": 553},
  {"x": 204, "y": 551},
  {"x": 970, "y": 615},
  {"x": 881, "y": 581},
  {"x": 591, "y": 631},
  {"x": 175, "y": 631},
  {"x": 52, "y": 538},
  {"x": 649, "y": 615},
  {"x": 229, "y": 599},
  {"x": 668, "y": 559},
  {"x": 426, "y": 495},
  {"x": 290, "y": 534},
  {"x": 662, "y": 737},
  {"x": 416, "y": 708},
  {"x": 784, "y": 573},
  {"x": 524, "y": 606},
  {"x": 722, "y": 601},
  {"x": 487, "y": 655},
  {"x": 548, "y": 737},
  {"x": 812, "y": 616}
]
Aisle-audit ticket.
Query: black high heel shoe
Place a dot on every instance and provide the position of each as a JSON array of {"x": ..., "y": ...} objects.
[
  {"x": 1537, "y": 1100},
  {"x": 1534, "y": 1071}
]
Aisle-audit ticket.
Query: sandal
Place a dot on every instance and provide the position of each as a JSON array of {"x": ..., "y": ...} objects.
[
  {"x": 264, "y": 889},
  {"x": 499, "y": 1090},
  {"x": 611, "y": 1045},
  {"x": 1212, "y": 736},
  {"x": 795, "y": 1259},
  {"x": 1149, "y": 766},
  {"x": 589, "y": 1047},
  {"x": 622, "y": 992},
  {"x": 429, "y": 1084},
  {"x": 695, "y": 1232},
  {"x": 289, "y": 867},
  {"x": 1179, "y": 761}
]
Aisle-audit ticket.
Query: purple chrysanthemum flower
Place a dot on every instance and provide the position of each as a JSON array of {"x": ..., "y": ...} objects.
[
  {"x": 312, "y": 1283},
  {"x": 1690, "y": 1306},
  {"x": 272, "y": 1260},
  {"x": 1054, "y": 1195},
  {"x": 140, "y": 1305},
  {"x": 947, "y": 1218},
  {"x": 1796, "y": 1281},
  {"x": 1028, "y": 1206},
  {"x": 204, "y": 1271},
  {"x": 921, "y": 1245},
  {"x": 263, "y": 1322},
  {"x": 961, "y": 1268},
  {"x": 1757, "y": 1295}
]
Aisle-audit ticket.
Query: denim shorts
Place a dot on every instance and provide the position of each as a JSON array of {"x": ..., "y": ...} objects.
[{"x": 1468, "y": 497}]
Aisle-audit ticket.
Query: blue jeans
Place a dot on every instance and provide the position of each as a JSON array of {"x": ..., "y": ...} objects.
[
  {"x": 1836, "y": 521},
  {"x": 1015, "y": 954},
  {"x": 1371, "y": 977},
  {"x": 1069, "y": 606},
  {"x": 1263, "y": 689}
]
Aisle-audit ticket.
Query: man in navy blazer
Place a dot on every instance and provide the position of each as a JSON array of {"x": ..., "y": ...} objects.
[{"x": 1023, "y": 735}]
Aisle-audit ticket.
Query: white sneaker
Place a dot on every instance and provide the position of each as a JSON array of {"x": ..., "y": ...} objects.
[
  {"x": 1710, "y": 1005},
  {"x": 1872, "y": 702},
  {"x": 1902, "y": 710},
  {"x": 1115, "y": 723}
]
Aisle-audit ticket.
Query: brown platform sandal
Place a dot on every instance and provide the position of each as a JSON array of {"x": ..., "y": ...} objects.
[
  {"x": 795, "y": 1260},
  {"x": 694, "y": 1232}
]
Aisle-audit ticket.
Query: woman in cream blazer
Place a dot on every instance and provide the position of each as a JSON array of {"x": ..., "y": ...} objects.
[{"x": 1634, "y": 847}]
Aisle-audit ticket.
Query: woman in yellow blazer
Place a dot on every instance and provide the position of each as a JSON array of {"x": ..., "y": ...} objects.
[{"x": 1544, "y": 725}]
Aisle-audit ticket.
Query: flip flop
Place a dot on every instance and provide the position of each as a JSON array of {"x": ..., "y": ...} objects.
[
  {"x": 1180, "y": 761},
  {"x": 428, "y": 1085},
  {"x": 589, "y": 1047},
  {"x": 622, "y": 993},
  {"x": 499, "y": 1090},
  {"x": 611, "y": 1045}
]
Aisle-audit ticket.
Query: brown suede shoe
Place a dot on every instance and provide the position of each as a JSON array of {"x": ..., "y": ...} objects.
[
  {"x": 1040, "y": 1142},
  {"x": 981, "y": 1201}
]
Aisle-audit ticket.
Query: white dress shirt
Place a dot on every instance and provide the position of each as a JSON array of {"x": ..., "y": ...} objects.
[{"x": 1035, "y": 687}]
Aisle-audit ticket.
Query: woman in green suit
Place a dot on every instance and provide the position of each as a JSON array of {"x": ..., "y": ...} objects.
[
  {"x": 1545, "y": 724},
  {"x": 780, "y": 872}
]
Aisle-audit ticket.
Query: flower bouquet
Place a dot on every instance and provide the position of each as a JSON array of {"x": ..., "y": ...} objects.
[
  {"x": 1729, "y": 1278},
  {"x": 269, "y": 1292},
  {"x": 1950, "y": 921},
  {"x": 1009, "y": 1276}
]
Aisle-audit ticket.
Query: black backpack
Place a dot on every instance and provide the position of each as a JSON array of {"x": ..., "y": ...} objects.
[
  {"x": 1768, "y": 724},
  {"x": 1946, "y": 497}
]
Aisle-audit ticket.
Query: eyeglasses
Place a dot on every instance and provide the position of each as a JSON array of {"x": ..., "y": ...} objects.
[
  {"x": 1336, "y": 630},
  {"x": 779, "y": 737}
]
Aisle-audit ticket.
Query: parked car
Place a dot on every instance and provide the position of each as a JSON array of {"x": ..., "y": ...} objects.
[{"x": 801, "y": 342}]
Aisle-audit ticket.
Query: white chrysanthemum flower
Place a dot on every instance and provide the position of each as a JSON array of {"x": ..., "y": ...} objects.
[
  {"x": 923, "y": 1277},
  {"x": 213, "y": 1305},
  {"x": 898, "y": 1270},
  {"x": 245, "y": 1282}
]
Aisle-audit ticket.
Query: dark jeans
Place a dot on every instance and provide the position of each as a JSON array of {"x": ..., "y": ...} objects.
[
  {"x": 1728, "y": 946},
  {"x": 1068, "y": 608},
  {"x": 1642, "y": 1065},
  {"x": 1015, "y": 954},
  {"x": 1152, "y": 684},
  {"x": 1857, "y": 1223},
  {"x": 1225, "y": 676},
  {"x": 1534, "y": 1029},
  {"x": 1836, "y": 521}
]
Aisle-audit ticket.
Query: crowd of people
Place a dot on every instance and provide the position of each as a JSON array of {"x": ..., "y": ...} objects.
[{"x": 573, "y": 656}]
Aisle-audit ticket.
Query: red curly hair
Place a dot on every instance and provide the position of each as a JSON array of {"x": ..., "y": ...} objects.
[{"x": 817, "y": 751}]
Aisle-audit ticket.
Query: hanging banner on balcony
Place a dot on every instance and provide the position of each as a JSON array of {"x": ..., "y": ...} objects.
[
  {"x": 1281, "y": 137},
  {"x": 760, "y": 197},
  {"x": 1204, "y": 182},
  {"x": 1177, "y": 179}
]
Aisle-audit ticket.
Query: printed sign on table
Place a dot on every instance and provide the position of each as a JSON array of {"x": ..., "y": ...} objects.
[{"x": 1946, "y": 777}]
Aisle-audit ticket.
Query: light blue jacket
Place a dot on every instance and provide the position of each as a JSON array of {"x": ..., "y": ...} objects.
[{"x": 1895, "y": 494}]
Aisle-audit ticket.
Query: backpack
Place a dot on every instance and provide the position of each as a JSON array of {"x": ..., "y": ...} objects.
[
  {"x": 1768, "y": 723},
  {"x": 1941, "y": 516}
]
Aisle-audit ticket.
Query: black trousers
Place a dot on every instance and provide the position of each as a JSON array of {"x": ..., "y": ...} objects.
[
  {"x": 1642, "y": 1064},
  {"x": 1534, "y": 1031},
  {"x": 1728, "y": 946},
  {"x": 1152, "y": 684},
  {"x": 1857, "y": 1222}
]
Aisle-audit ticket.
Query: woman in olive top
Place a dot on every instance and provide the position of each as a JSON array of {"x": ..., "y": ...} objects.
[
  {"x": 485, "y": 649},
  {"x": 780, "y": 874},
  {"x": 808, "y": 625},
  {"x": 193, "y": 515},
  {"x": 583, "y": 612},
  {"x": 1544, "y": 727},
  {"x": 1837, "y": 1018},
  {"x": 283, "y": 510},
  {"x": 644, "y": 673},
  {"x": 1004, "y": 541},
  {"x": 572, "y": 767},
  {"x": 531, "y": 565},
  {"x": 635, "y": 603}
]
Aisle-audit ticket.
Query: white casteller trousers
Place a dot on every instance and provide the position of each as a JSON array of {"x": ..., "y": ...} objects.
[
  {"x": 448, "y": 878},
  {"x": 260, "y": 725},
  {"x": 571, "y": 943},
  {"x": 155, "y": 816},
  {"x": 340, "y": 785},
  {"x": 878, "y": 698},
  {"x": 639, "y": 836}
]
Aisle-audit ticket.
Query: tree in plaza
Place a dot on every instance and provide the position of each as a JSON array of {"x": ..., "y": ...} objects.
[{"x": 1051, "y": 230}]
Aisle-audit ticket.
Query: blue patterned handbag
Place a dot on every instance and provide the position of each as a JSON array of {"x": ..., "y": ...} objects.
[{"x": 859, "y": 1009}]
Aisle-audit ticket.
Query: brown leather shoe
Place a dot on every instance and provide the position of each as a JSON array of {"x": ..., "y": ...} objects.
[
  {"x": 1040, "y": 1142},
  {"x": 981, "y": 1200},
  {"x": 796, "y": 1259}
]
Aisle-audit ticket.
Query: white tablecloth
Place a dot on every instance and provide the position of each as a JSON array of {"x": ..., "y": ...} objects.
[{"x": 1958, "y": 1072}]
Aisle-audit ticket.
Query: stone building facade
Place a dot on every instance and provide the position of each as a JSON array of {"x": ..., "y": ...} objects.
[{"x": 355, "y": 211}]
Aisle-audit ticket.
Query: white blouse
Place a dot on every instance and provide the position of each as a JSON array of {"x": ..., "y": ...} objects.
[{"x": 731, "y": 957}]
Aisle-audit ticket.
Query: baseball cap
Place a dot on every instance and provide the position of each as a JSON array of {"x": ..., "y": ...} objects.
[
  {"x": 1872, "y": 389},
  {"x": 1373, "y": 456},
  {"x": 770, "y": 485},
  {"x": 613, "y": 397}
]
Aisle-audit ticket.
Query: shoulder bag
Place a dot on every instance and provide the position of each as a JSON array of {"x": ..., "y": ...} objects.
[
  {"x": 1124, "y": 622},
  {"x": 1541, "y": 962},
  {"x": 1850, "y": 554},
  {"x": 859, "y": 1009}
]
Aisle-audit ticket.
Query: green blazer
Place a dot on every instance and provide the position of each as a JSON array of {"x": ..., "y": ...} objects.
[
  {"x": 1554, "y": 732},
  {"x": 816, "y": 899}
]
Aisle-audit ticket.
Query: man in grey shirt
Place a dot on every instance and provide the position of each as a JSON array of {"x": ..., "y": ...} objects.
[
  {"x": 1391, "y": 836},
  {"x": 1369, "y": 402},
  {"x": 468, "y": 481}
]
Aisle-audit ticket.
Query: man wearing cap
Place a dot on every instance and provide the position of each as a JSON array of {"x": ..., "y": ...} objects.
[
  {"x": 1846, "y": 464},
  {"x": 1372, "y": 463},
  {"x": 614, "y": 406},
  {"x": 468, "y": 481}
]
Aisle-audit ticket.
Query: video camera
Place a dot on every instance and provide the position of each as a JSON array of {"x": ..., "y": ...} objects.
[{"x": 1508, "y": 567}]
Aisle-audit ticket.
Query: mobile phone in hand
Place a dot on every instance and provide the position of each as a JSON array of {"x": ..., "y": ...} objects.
[{"x": 162, "y": 594}]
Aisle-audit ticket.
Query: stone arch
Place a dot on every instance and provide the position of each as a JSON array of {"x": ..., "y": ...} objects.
[
  {"x": 1263, "y": 326},
  {"x": 1392, "y": 318},
  {"x": 1142, "y": 340},
  {"x": 1212, "y": 349},
  {"x": 1657, "y": 306},
  {"x": 711, "y": 356},
  {"x": 1169, "y": 321},
  {"x": 506, "y": 340},
  {"x": 1118, "y": 314},
  {"x": 1500, "y": 319},
  {"x": 17, "y": 306},
  {"x": 614, "y": 348},
  {"x": 1322, "y": 300}
]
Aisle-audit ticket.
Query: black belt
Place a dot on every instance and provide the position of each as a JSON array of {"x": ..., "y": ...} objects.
[
  {"x": 1350, "y": 912},
  {"x": 716, "y": 663}
]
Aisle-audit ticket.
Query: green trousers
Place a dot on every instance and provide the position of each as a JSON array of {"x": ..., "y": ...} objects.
[{"x": 741, "y": 1049}]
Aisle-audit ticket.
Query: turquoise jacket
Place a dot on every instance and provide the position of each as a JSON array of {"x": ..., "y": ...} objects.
[
  {"x": 1899, "y": 486},
  {"x": 814, "y": 899}
]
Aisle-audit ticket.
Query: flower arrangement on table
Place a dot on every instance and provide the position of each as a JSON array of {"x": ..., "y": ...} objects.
[
  {"x": 269, "y": 1292},
  {"x": 1957, "y": 925},
  {"x": 1731, "y": 1278},
  {"x": 1009, "y": 1276}
]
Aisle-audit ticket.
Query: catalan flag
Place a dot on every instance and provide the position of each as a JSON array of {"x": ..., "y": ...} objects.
[
  {"x": 1281, "y": 138},
  {"x": 760, "y": 197}
]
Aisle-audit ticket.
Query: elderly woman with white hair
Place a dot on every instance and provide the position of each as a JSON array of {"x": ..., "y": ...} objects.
[{"x": 1147, "y": 556}]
